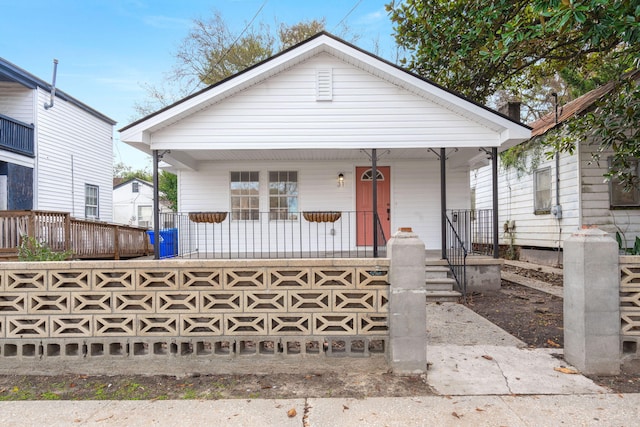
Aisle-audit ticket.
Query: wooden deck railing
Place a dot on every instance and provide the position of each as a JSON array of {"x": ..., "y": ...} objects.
[{"x": 61, "y": 232}]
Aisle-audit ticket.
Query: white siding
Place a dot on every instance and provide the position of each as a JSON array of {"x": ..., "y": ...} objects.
[
  {"x": 126, "y": 203},
  {"x": 415, "y": 190},
  {"x": 516, "y": 202},
  {"x": 282, "y": 112},
  {"x": 75, "y": 147},
  {"x": 595, "y": 200},
  {"x": 16, "y": 101}
]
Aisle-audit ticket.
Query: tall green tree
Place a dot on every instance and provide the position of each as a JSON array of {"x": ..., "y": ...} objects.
[{"x": 481, "y": 47}]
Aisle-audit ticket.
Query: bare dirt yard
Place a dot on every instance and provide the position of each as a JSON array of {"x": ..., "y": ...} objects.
[
  {"x": 532, "y": 316},
  {"x": 535, "y": 317}
]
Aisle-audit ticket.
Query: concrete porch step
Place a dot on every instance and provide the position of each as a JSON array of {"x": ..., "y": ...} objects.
[
  {"x": 440, "y": 284},
  {"x": 435, "y": 271},
  {"x": 443, "y": 296}
]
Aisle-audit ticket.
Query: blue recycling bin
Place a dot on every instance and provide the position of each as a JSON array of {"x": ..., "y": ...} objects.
[{"x": 168, "y": 242}]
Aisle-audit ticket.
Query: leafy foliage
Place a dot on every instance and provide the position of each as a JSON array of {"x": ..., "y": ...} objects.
[
  {"x": 126, "y": 172},
  {"x": 168, "y": 187},
  {"x": 32, "y": 250},
  {"x": 480, "y": 46},
  {"x": 635, "y": 250},
  {"x": 290, "y": 35},
  {"x": 211, "y": 52},
  {"x": 523, "y": 158},
  {"x": 614, "y": 126}
]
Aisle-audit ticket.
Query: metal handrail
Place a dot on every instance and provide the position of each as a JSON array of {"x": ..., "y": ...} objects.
[
  {"x": 381, "y": 240},
  {"x": 457, "y": 258}
]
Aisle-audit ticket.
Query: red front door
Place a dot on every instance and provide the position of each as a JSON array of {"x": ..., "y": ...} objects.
[{"x": 364, "y": 203}]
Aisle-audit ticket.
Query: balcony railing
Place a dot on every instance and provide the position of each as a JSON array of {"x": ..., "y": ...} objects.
[
  {"x": 259, "y": 235},
  {"x": 16, "y": 136}
]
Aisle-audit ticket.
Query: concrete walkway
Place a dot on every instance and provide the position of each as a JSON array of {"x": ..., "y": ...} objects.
[{"x": 482, "y": 377}]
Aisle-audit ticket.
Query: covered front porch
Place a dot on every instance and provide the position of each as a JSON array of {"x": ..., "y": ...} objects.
[
  {"x": 322, "y": 128},
  {"x": 321, "y": 203}
]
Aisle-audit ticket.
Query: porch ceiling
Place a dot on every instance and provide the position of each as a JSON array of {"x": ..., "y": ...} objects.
[{"x": 192, "y": 158}]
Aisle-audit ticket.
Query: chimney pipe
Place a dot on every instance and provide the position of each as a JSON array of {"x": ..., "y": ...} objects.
[
  {"x": 511, "y": 109},
  {"x": 53, "y": 86}
]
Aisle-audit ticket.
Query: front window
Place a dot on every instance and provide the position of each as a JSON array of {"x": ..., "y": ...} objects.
[
  {"x": 91, "y": 197},
  {"x": 542, "y": 191},
  {"x": 245, "y": 195},
  {"x": 134, "y": 187},
  {"x": 618, "y": 196},
  {"x": 283, "y": 195}
]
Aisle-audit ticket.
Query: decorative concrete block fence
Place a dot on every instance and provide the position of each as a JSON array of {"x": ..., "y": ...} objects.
[
  {"x": 82, "y": 310},
  {"x": 601, "y": 303},
  {"x": 207, "y": 308}
]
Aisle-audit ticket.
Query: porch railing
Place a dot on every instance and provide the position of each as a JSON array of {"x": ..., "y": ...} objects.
[
  {"x": 469, "y": 231},
  {"x": 60, "y": 232},
  {"x": 16, "y": 136},
  {"x": 474, "y": 227},
  {"x": 311, "y": 234}
]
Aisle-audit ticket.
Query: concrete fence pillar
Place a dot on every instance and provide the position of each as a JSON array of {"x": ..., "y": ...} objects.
[
  {"x": 407, "y": 352},
  {"x": 592, "y": 302}
]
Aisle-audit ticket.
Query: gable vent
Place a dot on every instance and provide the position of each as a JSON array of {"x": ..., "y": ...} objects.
[{"x": 324, "y": 85}]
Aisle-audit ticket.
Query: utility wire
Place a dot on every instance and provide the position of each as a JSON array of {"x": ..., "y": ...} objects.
[
  {"x": 347, "y": 15},
  {"x": 238, "y": 38}
]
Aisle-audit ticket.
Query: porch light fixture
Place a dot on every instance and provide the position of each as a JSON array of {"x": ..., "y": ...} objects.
[{"x": 340, "y": 179}]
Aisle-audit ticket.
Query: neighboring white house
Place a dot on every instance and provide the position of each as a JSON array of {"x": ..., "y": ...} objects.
[
  {"x": 55, "y": 158},
  {"x": 551, "y": 199},
  {"x": 133, "y": 203},
  {"x": 297, "y": 132}
]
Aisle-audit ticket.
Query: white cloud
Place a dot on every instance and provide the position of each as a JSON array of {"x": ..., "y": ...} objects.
[
  {"x": 373, "y": 17},
  {"x": 166, "y": 22}
]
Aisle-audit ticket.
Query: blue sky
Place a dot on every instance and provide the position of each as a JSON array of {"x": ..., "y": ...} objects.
[{"x": 108, "y": 49}]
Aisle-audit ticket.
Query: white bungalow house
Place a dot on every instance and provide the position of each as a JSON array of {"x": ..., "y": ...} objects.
[
  {"x": 133, "y": 202},
  {"x": 55, "y": 151},
  {"x": 287, "y": 153},
  {"x": 547, "y": 199}
]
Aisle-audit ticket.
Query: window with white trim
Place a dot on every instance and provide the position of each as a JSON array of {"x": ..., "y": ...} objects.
[
  {"x": 542, "y": 191},
  {"x": 245, "y": 195},
  {"x": 283, "y": 195},
  {"x": 619, "y": 197},
  {"x": 91, "y": 201},
  {"x": 135, "y": 187}
]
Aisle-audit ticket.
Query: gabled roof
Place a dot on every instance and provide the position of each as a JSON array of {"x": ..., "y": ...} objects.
[
  {"x": 120, "y": 182},
  {"x": 575, "y": 107},
  {"x": 12, "y": 73},
  {"x": 137, "y": 133}
]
